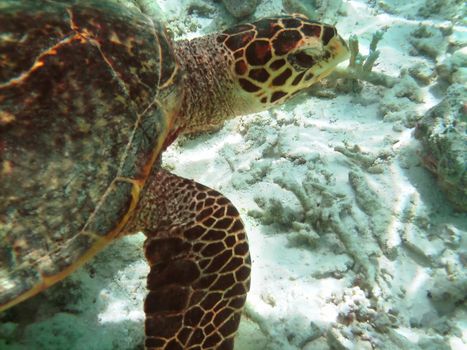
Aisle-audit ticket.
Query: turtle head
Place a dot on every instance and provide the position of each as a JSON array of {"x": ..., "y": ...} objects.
[
  {"x": 275, "y": 58},
  {"x": 251, "y": 67}
]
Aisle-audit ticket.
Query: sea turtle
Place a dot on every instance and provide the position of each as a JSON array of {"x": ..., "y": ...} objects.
[{"x": 91, "y": 93}]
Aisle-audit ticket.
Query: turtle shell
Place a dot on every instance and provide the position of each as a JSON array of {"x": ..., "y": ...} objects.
[{"x": 82, "y": 85}]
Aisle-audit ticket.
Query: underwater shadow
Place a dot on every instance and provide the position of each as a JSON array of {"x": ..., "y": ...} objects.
[{"x": 85, "y": 310}]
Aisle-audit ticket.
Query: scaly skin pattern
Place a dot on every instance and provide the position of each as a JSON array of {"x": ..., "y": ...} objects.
[
  {"x": 91, "y": 93},
  {"x": 200, "y": 265},
  {"x": 252, "y": 67}
]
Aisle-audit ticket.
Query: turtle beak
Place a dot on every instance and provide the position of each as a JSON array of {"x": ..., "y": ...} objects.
[
  {"x": 338, "y": 52},
  {"x": 339, "y": 49}
]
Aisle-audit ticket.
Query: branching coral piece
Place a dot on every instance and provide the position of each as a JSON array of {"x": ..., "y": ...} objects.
[
  {"x": 374, "y": 54},
  {"x": 360, "y": 67}
]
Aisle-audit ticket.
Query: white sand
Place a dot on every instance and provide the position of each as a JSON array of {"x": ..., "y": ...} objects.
[{"x": 347, "y": 261}]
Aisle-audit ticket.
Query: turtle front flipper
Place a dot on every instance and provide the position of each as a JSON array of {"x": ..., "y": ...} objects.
[{"x": 200, "y": 264}]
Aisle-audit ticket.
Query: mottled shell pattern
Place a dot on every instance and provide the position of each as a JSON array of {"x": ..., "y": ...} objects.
[{"x": 81, "y": 125}]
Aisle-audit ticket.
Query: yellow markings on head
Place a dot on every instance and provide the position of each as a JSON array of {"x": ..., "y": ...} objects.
[{"x": 275, "y": 58}]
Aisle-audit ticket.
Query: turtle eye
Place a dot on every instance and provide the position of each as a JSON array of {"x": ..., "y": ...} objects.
[{"x": 302, "y": 60}]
